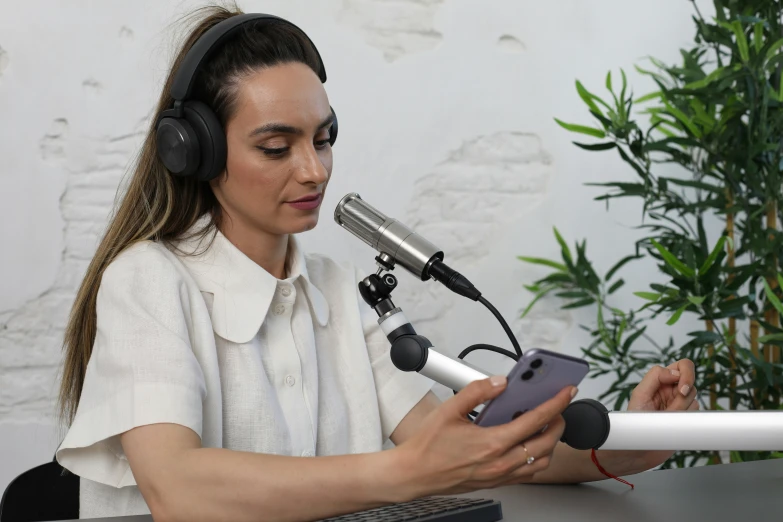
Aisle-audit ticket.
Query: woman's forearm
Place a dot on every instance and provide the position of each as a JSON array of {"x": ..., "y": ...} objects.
[
  {"x": 218, "y": 484},
  {"x": 572, "y": 466}
]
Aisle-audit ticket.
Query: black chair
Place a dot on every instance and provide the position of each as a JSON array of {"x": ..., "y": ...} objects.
[{"x": 46, "y": 492}]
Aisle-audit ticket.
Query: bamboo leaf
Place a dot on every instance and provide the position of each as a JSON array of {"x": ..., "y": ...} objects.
[
  {"x": 538, "y": 296},
  {"x": 572, "y": 295},
  {"x": 563, "y": 246},
  {"x": 582, "y": 129},
  {"x": 771, "y": 337},
  {"x": 742, "y": 42},
  {"x": 617, "y": 266},
  {"x": 622, "y": 96},
  {"x": 631, "y": 338},
  {"x": 579, "y": 304},
  {"x": 650, "y": 296},
  {"x": 590, "y": 98},
  {"x": 648, "y": 97},
  {"x": 774, "y": 48},
  {"x": 597, "y": 146},
  {"x": 676, "y": 317},
  {"x": 546, "y": 262},
  {"x": 696, "y": 300},
  {"x": 639, "y": 170},
  {"x": 609, "y": 81},
  {"x": 672, "y": 261},
  {"x": 617, "y": 284},
  {"x": 773, "y": 299},
  {"x": 677, "y": 113},
  {"x": 608, "y": 341},
  {"x": 555, "y": 278},
  {"x": 695, "y": 184},
  {"x": 714, "y": 75},
  {"x": 758, "y": 36},
  {"x": 713, "y": 256},
  {"x": 620, "y": 330}
]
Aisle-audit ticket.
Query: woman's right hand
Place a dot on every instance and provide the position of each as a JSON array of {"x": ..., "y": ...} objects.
[{"x": 449, "y": 454}]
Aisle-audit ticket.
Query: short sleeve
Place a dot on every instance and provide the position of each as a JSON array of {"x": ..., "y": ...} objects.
[
  {"x": 142, "y": 369},
  {"x": 398, "y": 391}
]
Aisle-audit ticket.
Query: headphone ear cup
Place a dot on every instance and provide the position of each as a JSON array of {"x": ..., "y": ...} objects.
[
  {"x": 177, "y": 145},
  {"x": 333, "y": 128},
  {"x": 211, "y": 139}
]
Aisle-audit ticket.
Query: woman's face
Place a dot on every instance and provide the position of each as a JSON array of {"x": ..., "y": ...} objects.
[{"x": 279, "y": 158}]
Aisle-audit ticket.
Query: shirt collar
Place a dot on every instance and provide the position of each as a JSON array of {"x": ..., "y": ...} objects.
[{"x": 242, "y": 290}]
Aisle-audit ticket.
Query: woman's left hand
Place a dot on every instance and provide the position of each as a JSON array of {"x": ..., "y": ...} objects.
[{"x": 664, "y": 389}]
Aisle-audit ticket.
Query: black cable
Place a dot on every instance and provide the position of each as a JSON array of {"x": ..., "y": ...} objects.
[
  {"x": 487, "y": 347},
  {"x": 503, "y": 323},
  {"x": 490, "y": 348}
]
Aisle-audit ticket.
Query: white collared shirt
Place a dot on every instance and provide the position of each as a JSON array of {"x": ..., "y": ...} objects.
[{"x": 249, "y": 362}]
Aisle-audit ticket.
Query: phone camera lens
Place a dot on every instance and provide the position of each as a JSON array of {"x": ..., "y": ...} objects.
[
  {"x": 527, "y": 375},
  {"x": 536, "y": 363}
]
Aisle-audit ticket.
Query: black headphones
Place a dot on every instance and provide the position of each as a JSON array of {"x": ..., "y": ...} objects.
[{"x": 189, "y": 137}]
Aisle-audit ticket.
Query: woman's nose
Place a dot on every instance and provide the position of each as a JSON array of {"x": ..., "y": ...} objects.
[{"x": 312, "y": 169}]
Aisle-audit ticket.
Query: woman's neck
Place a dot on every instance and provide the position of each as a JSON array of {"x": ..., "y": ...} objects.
[{"x": 269, "y": 251}]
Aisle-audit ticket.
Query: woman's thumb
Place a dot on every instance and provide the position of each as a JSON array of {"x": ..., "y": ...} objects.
[{"x": 477, "y": 393}]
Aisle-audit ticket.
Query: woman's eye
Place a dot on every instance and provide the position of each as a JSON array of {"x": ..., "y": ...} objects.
[{"x": 273, "y": 151}]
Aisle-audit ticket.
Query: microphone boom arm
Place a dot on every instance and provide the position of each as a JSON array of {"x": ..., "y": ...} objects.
[{"x": 589, "y": 425}]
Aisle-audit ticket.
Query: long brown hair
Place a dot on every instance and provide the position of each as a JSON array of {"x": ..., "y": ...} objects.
[{"x": 156, "y": 205}]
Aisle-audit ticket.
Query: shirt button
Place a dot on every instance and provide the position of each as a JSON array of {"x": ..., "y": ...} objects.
[
  {"x": 308, "y": 453},
  {"x": 286, "y": 291},
  {"x": 290, "y": 380},
  {"x": 279, "y": 309}
]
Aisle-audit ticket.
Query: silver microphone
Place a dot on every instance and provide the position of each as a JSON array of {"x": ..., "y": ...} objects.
[{"x": 387, "y": 235}]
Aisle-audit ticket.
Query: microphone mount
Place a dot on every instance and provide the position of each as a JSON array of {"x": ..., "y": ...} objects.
[{"x": 409, "y": 350}]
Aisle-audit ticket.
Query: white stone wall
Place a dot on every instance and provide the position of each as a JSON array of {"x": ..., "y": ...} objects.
[{"x": 446, "y": 122}]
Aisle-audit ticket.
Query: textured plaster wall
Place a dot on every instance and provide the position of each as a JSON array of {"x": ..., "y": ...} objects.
[{"x": 445, "y": 110}]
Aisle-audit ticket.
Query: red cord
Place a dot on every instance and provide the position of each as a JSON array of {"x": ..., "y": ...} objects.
[{"x": 602, "y": 470}]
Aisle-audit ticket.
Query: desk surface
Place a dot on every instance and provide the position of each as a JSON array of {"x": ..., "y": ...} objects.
[{"x": 731, "y": 492}]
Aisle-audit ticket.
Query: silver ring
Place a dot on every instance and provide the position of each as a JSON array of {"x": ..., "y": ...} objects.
[{"x": 530, "y": 459}]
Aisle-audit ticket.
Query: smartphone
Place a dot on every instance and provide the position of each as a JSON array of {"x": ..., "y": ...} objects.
[{"x": 538, "y": 376}]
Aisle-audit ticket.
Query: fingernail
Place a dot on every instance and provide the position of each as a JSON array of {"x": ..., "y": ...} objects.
[
  {"x": 498, "y": 380},
  {"x": 574, "y": 390},
  {"x": 676, "y": 373},
  {"x": 685, "y": 389}
]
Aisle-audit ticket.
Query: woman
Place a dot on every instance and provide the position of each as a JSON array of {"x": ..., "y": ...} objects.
[{"x": 208, "y": 357}]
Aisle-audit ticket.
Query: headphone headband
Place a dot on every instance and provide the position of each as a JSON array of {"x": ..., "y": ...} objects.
[{"x": 182, "y": 84}]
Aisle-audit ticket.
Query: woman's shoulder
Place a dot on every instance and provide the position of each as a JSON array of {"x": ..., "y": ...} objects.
[{"x": 145, "y": 263}]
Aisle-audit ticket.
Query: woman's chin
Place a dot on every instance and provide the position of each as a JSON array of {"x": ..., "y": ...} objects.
[{"x": 305, "y": 225}]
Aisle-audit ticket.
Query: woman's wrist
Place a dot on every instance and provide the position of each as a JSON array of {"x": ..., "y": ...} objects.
[
  {"x": 622, "y": 462},
  {"x": 399, "y": 475}
]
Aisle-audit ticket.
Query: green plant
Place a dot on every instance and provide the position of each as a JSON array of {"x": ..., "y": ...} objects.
[{"x": 718, "y": 116}]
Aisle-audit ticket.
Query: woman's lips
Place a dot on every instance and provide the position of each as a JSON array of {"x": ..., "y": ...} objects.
[{"x": 307, "y": 204}]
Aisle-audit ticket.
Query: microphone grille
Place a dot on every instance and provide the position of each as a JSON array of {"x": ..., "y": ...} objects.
[{"x": 360, "y": 218}]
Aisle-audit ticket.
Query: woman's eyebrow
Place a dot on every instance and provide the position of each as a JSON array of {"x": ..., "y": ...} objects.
[{"x": 282, "y": 128}]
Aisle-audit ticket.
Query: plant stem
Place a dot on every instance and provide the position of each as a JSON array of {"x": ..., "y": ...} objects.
[
  {"x": 732, "y": 320},
  {"x": 754, "y": 348},
  {"x": 771, "y": 315},
  {"x": 711, "y": 370},
  {"x": 732, "y": 356}
]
